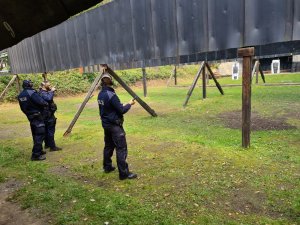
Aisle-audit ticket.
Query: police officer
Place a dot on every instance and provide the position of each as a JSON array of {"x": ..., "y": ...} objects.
[
  {"x": 32, "y": 106},
  {"x": 111, "y": 113},
  {"x": 47, "y": 93}
]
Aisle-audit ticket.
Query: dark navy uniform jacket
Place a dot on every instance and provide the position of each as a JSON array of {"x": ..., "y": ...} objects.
[
  {"x": 47, "y": 95},
  {"x": 111, "y": 109},
  {"x": 31, "y": 102}
]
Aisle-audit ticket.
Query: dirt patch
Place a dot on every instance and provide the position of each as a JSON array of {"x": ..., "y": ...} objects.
[
  {"x": 11, "y": 213},
  {"x": 233, "y": 120},
  {"x": 247, "y": 201},
  {"x": 65, "y": 171},
  {"x": 293, "y": 114},
  {"x": 10, "y": 131}
]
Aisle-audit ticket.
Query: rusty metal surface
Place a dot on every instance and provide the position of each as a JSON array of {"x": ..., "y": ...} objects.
[{"x": 136, "y": 33}]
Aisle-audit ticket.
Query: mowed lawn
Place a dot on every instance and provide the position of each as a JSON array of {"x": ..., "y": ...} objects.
[{"x": 191, "y": 167}]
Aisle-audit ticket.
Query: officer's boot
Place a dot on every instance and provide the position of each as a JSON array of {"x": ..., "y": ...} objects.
[
  {"x": 55, "y": 149},
  {"x": 38, "y": 158}
]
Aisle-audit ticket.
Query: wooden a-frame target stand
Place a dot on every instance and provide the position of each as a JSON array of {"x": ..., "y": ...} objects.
[
  {"x": 16, "y": 79},
  {"x": 202, "y": 72},
  {"x": 95, "y": 85}
]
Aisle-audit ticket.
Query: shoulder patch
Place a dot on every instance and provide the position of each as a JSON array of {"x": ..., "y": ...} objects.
[
  {"x": 100, "y": 102},
  {"x": 110, "y": 94},
  {"x": 23, "y": 99},
  {"x": 30, "y": 92}
]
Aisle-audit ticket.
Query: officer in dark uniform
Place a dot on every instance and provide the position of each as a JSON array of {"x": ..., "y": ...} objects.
[
  {"x": 47, "y": 93},
  {"x": 32, "y": 106},
  {"x": 111, "y": 113}
]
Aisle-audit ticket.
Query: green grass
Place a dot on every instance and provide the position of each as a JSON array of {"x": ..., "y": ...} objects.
[{"x": 192, "y": 169}]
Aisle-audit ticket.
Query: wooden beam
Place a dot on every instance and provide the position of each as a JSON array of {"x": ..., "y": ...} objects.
[
  {"x": 257, "y": 71},
  {"x": 131, "y": 92},
  {"x": 44, "y": 75},
  {"x": 144, "y": 81},
  {"x": 175, "y": 74},
  {"x": 246, "y": 54},
  {"x": 214, "y": 78},
  {"x": 18, "y": 83},
  {"x": 254, "y": 69},
  {"x": 193, "y": 84},
  {"x": 262, "y": 74},
  {"x": 83, "y": 104},
  {"x": 203, "y": 83},
  {"x": 7, "y": 86}
]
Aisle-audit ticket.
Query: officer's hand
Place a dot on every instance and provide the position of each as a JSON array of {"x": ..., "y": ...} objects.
[
  {"x": 132, "y": 102},
  {"x": 104, "y": 68},
  {"x": 53, "y": 89}
]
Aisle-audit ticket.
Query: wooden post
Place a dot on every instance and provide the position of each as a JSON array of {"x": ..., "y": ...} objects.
[
  {"x": 214, "y": 78},
  {"x": 175, "y": 74},
  {"x": 18, "y": 84},
  {"x": 83, "y": 104},
  {"x": 247, "y": 54},
  {"x": 131, "y": 92},
  {"x": 7, "y": 86},
  {"x": 44, "y": 75},
  {"x": 144, "y": 81},
  {"x": 203, "y": 83},
  {"x": 193, "y": 84}
]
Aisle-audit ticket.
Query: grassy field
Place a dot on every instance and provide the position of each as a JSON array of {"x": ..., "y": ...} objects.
[{"x": 192, "y": 169}]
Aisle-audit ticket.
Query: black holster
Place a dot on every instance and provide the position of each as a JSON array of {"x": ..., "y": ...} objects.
[{"x": 119, "y": 122}]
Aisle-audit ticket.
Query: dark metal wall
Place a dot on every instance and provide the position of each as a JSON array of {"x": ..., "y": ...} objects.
[
  {"x": 135, "y": 33},
  {"x": 22, "y": 19}
]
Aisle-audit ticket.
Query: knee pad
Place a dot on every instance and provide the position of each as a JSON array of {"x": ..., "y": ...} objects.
[{"x": 38, "y": 128}]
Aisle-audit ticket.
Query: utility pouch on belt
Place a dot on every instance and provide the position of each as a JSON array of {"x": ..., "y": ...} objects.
[
  {"x": 38, "y": 127},
  {"x": 35, "y": 116}
]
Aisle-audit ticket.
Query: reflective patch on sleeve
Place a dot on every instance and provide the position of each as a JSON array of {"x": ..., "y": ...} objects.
[
  {"x": 100, "y": 102},
  {"x": 30, "y": 92},
  {"x": 110, "y": 94},
  {"x": 24, "y": 99}
]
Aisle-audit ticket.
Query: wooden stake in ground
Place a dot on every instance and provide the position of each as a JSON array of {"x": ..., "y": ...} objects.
[
  {"x": 44, "y": 75},
  {"x": 83, "y": 104},
  {"x": 247, "y": 54},
  {"x": 193, "y": 84},
  {"x": 7, "y": 86},
  {"x": 130, "y": 91},
  {"x": 175, "y": 74},
  {"x": 144, "y": 81},
  {"x": 203, "y": 83}
]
